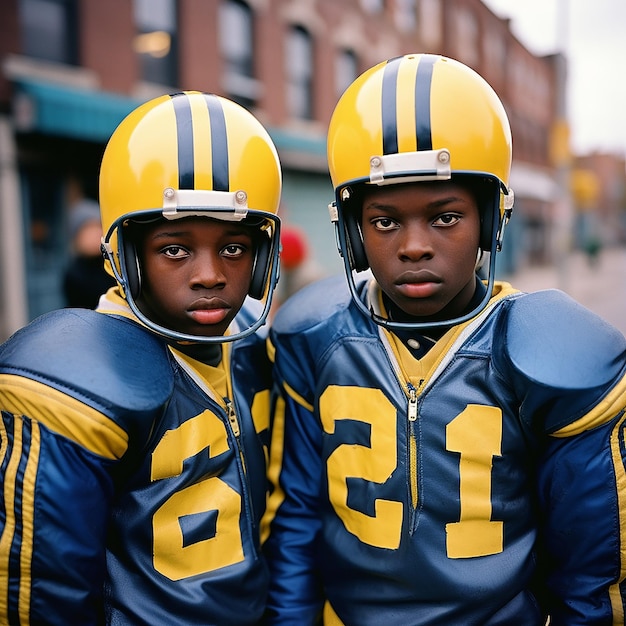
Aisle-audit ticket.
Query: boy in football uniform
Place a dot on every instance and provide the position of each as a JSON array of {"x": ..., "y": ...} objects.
[
  {"x": 134, "y": 437},
  {"x": 445, "y": 449}
]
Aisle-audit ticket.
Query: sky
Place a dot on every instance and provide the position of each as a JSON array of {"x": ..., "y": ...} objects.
[{"x": 592, "y": 35}]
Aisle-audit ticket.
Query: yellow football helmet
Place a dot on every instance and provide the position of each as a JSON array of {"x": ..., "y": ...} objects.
[
  {"x": 186, "y": 155},
  {"x": 418, "y": 117}
]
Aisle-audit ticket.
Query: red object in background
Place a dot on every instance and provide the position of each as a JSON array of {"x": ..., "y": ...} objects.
[{"x": 294, "y": 247}]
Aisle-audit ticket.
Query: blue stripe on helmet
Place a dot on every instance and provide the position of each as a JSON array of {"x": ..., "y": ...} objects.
[
  {"x": 219, "y": 144},
  {"x": 184, "y": 130},
  {"x": 423, "y": 81},
  {"x": 388, "y": 105}
]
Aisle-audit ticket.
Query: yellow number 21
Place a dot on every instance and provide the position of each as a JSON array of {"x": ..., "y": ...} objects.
[{"x": 476, "y": 433}]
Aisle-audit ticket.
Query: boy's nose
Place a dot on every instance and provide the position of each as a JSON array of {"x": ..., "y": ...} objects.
[
  {"x": 207, "y": 270},
  {"x": 415, "y": 243}
]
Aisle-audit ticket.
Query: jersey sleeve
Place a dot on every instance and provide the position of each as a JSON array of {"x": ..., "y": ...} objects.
[
  {"x": 55, "y": 501},
  {"x": 582, "y": 494},
  {"x": 570, "y": 374},
  {"x": 68, "y": 413},
  {"x": 292, "y": 519}
]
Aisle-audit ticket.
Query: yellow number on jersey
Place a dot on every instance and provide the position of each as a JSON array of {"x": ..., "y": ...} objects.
[
  {"x": 171, "y": 557},
  {"x": 476, "y": 433},
  {"x": 375, "y": 463}
]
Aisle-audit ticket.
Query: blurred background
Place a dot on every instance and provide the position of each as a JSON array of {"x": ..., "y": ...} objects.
[{"x": 70, "y": 70}]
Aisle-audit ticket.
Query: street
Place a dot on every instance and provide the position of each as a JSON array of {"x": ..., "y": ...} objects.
[{"x": 601, "y": 288}]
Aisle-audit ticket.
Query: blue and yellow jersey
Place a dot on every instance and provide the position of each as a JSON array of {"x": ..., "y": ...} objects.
[
  {"x": 483, "y": 483},
  {"x": 132, "y": 477}
]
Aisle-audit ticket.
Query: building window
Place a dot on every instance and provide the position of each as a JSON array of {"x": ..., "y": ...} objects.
[
  {"x": 48, "y": 30},
  {"x": 373, "y": 6},
  {"x": 466, "y": 37},
  {"x": 346, "y": 70},
  {"x": 405, "y": 15},
  {"x": 430, "y": 22},
  {"x": 494, "y": 52},
  {"x": 299, "y": 74},
  {"x": 236, "y": 39},
  {"x": 156, "y": 40}
]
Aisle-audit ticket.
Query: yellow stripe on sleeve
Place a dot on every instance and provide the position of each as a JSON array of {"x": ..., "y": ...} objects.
[
  {"x": 620, "y": 480},
  {"x": 261, "y": 411},
  {"x": 330, "y": 617},
  {"x": 63, "y": 415},
  {"x": 28, "y": 526},
  {"x": 277, "y": 447},
  {"x": 6, "y": 540},
  {"x": 297, "y": 397},
  {"x": 4, "y": 444},
  {"x": 610, "y": 406},
  {"x": 271, "y": 350}
]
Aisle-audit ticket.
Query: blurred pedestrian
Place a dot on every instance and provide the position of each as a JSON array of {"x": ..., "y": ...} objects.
[{"x": 85, "y": 278}]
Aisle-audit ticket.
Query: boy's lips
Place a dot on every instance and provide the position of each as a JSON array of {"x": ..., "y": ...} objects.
[
  {"x": 419, "y": 284},
  {"x": 418, "y": 290},
  {"x": 208, "y": 310}
]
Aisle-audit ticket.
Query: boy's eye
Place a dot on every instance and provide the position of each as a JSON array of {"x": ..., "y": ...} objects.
[
  {"x": 383, "y": 223},
  {"x": 174, "y": 252},
  {"x": 233, "y": 250},
  {"x": 447, "y": 219}
]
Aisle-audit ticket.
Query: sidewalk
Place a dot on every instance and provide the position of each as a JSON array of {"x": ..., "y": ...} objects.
[{"x": 601, "y": 288}]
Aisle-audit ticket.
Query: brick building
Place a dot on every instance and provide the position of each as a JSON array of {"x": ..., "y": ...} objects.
[{"x": 70, "y": 70}]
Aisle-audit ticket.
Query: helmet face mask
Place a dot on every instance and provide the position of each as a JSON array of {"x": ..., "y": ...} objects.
[
  {"x": 190, "y": 155},
  {"x": 419, "y": 118}
]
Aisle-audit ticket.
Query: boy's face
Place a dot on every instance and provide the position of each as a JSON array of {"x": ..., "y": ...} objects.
[
  {"x": 195, "y": 274},
  {"x": 421, "y": 240}
]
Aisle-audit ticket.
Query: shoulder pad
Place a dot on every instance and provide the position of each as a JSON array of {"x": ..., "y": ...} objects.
[
  {"x": 109, "y": 363},
  {"x": 555, "y": 341},
  {"x": 312, "y": 304}
]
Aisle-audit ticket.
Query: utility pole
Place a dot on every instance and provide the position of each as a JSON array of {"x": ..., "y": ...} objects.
[{"x": 561, "y": 151}]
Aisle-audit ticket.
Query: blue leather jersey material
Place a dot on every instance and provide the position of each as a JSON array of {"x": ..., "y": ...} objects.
[
  {"x": 71, "y": 348},
  {"x": 483, "y": 484},
  {"x": 129, "y": 493}
]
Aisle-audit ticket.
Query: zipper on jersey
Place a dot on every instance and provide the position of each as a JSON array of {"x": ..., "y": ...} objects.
[
  {"x": 412, "y": 414},
  {"x": 233, "y": 420},
  {"x": 412, "y": 410}
]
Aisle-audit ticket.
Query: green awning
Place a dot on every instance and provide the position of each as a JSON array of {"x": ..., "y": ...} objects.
[
  {"x": 53, "y": 109},
  {"x": 303, "y": 151},
  {"x": 287, "y": 140}
]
